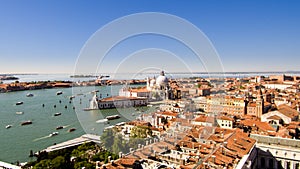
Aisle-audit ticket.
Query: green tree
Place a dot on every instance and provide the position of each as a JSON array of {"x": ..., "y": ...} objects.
[
  {"x": 58, "y": 162},
  {"x": 43, "y": 164},
  {"x": 107, "y": 138},
  {"x": 85, "y": 164}
]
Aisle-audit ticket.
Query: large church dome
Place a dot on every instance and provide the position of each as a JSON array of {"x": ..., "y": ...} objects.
[{"x": 162, "y": 80}]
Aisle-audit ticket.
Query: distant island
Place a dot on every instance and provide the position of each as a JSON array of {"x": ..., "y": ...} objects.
[
  {"x": 89, "y": 76},
  {"x": 5, "y": 77}
]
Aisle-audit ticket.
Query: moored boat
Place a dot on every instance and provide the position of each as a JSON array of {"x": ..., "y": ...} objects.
[{"x": 112, "y": 117}]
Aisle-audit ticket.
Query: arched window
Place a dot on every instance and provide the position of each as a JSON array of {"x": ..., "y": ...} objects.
[
  {"x": 271, "y": 163},
  {"x": 262, "y": 162}
]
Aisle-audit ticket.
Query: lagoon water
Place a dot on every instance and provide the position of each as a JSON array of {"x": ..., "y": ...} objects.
[{"x": 17, "y": 141}]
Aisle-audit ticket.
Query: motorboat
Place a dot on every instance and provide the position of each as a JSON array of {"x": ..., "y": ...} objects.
[
  {"x": 19, "y": 103},
  {"x": 19, "y": 112},
  {"x": 59, "y": 127},
  {"x": 8, "y": 126},
  {"x": 29, "y": 95},
  {"x": 59, "y": 93},
  {"x": 102, "y": 121},
  {"x": 112, "y": 117},
  {"x": 71, "y": 129},
  {"x": 53, "y": 134},
  {"x": 26, "y": 122},
  {"x": 57, "y": 114}
]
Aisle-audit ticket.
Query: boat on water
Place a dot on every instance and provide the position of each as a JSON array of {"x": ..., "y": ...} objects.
[
  {"x": 57, "y": 114},
  {"x": 59, "y": 93},
  {"x": 112, "y": 117},
  {"x": 53, "y": 134},
  {"x": 102, "y": 121},
  {"x": 71, "y": 129},
  {"x": 8, "y": 126},
  {"x": 19, "y": 112},
  {"x": 59, "y": 127},
  {"x": 29, "y": 95},
  {"x": 26, "y": 122},
  {"x": 19, "y": 103}
]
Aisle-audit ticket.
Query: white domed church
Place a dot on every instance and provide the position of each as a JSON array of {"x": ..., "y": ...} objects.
[{"x": 159, "y": 88}]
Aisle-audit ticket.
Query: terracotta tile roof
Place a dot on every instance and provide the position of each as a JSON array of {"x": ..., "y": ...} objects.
[
  {"x": 287, "y": 111},
  {"x": 274, "y": 117},
  {"x": 264, "y": 126},
  {"x": 225, "y": 118}
]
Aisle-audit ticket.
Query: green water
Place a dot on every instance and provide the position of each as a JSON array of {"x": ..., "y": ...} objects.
[{"x": 17, "y": 141}]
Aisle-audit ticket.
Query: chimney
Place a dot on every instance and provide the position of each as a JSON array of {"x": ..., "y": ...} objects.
[
  {"x": 139, "y": 146},
  {"x": 213, "y": 157},
  {"x": 131, "y": 150},
  {"x": 147, "y": 142},
  {"x": 120, "y": 154}
]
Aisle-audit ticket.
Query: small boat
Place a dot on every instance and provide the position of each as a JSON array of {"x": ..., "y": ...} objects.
[
  {"x": 53, "y": 134},
  {"x": 29, "y": 95},
  {"x": 71, "y": 129},
  {"x": 57, "y": 114},
  {"x": 59, "y": 93},
  {"x": 102, "y": 121},
  {"x": 112, "y": 117},
  {"x": 26, "y": 122},
  {"x": 19, "y": 112},
  {"x": 59, "y": 127},
  {"x": 19, "y": 103},
  {"x": 8, "y": 126}
]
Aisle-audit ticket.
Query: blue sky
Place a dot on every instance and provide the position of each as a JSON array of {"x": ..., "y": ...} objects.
[{"x": 47, "y": 36}]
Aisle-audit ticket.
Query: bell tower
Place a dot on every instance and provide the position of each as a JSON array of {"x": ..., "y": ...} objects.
[{"x": 259, "y": 104}]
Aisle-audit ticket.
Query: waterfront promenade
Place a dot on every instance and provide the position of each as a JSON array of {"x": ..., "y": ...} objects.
[
  {"x": 74, "y": 142},
  {"x": 5, "y": 165}
]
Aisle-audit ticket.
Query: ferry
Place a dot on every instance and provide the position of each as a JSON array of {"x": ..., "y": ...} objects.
[
  {"x": 112, "y": 117},
  {"x": 26, "y": 122},
  {"x": 59, "y": 93},
  {"x": 19, "y": 103}
]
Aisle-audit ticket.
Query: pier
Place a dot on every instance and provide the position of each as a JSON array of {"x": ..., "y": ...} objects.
[{"x": 74, "y": 142}]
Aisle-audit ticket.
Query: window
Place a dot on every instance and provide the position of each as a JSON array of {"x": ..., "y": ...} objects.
[
  {"x": 288, "y": 165},
  {"x": 262, "y": 162},
  {"x": 297, "y": 166},
  {"x": 271, "y": 163}
]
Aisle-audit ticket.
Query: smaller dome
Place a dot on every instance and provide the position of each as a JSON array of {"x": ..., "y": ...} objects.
[
  {"x": 152, "y": 82},
  {"x": 162, "y": 80}
]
